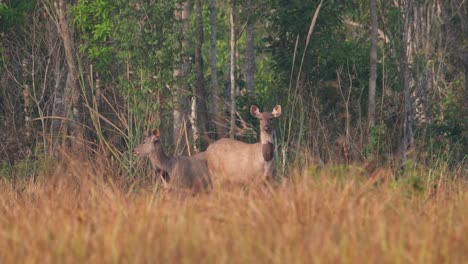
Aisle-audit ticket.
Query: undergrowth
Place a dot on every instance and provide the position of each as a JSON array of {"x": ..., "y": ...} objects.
[{"x": 83, "y": 212}]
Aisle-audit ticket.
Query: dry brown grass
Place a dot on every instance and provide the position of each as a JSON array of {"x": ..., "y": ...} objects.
[{"x": 75, "y": 214}]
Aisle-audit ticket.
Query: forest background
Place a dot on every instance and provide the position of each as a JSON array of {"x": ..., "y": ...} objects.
[
  {"x": 371, "y": 146},
  {"x": 379, "y": 82}
]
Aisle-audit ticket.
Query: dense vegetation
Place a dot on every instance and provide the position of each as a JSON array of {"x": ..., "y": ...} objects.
[
  {"x": 95, "y": 75},
  {"x": 371, "y": 146}
]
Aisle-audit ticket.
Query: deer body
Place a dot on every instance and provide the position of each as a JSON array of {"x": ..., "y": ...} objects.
[
  {"x": 184, "y": 172},
  {"x": 238, "y": 162}
]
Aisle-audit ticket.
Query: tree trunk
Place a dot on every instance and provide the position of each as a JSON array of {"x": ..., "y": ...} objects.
[
  {"x": 216, "y": 109},
  {"x": 194, "y": 122},
  {"x": 372, "y": 64},
  {"x": 58, "y": 71},
  {"x": 200, "y": 91},
  {"x": 424, "y": 41},
  {"x": 181, "y": 87},
  {"x": 26, "y": 92},
  {"x": 408, "y": 109},
  {"x": 232, "y": 69},
  {"x": 250, "y": 50},
  {"x": 466, "y": 85},
  {"x": 73, "y": 110}
]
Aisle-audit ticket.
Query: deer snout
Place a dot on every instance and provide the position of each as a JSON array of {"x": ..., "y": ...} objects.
[{"x": 266, "y": 128}]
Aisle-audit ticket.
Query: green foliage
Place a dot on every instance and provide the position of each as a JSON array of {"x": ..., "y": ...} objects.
[
  {"x": 13, "y": 14},
  {"x": 377, "y": 141},
  {"x": 332, "y": 49},
  {"x": 28, "y": 167},
  {"x": 122, "y": 34},
  {"x": 93, "y": 18},
  {"x": 6, "y": 169},
  {"x": 145, "y": 48},
  {"x": 415, "y": 183},
  {"x": 139, "y": 44},
  {"x": 292, "y": 19},
  {"x": 133, "y": 47},
  {"x": 447, "y": 137}
]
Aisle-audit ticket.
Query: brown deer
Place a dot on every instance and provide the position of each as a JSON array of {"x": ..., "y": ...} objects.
[
  {"x": 238, "y": 162},
  {"x": 184, "y": 172}
]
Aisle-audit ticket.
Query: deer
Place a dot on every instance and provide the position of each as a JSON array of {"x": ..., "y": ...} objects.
[
  {"x": 235, "y": 161},
  {"x": 185, "y": 172}
]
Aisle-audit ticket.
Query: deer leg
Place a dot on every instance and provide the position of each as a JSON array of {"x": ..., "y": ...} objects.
[
  {"x": 164, "y": 182},
  {"x": 268, "y": 170}
]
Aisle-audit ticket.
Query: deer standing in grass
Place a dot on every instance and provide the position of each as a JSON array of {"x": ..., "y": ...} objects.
[
  {"x": 239, "y": 162},
  {"x": 184, "y": 172}
]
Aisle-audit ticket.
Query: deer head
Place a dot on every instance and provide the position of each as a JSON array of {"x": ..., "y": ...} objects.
[
  {"x": 266, "y": 139},
  {"x": 149, "y": 144},
  {"x": 265, "y": 117}
]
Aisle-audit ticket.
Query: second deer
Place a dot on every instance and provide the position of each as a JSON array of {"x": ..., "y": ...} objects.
[
  {"x": 238, "y": 162},
  {"x": 184, "y": 172}
]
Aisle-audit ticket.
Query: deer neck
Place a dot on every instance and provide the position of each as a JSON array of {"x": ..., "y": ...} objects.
[
  {"x": 161, "y": 160},
  {"x": 266, "y": 140}
]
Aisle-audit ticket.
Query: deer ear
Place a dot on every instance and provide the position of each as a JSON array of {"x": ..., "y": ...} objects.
[
  {"x": 254, "y": 111},
  {"x": 276, "y": 111},
  {"x": 156, "y": 133}
]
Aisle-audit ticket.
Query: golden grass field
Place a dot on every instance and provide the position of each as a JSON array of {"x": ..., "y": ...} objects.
[{"x": 83, "y": 214}]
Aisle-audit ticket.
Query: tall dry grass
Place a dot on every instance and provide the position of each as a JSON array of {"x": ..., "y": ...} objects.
[{"x": 78, "y": 213}]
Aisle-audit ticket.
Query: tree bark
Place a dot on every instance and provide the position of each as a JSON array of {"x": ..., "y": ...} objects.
[
  {"x": 465, "y": 97},
  {"x": 372, "y": 64},
  {"x": 58, "y": 71},
  {"x": 26, "y": 92},
  {"x": 250, "y": 50},
  {"x": 232, "y": 69},
  {"x": 200, "y": 90},
  {"x": 424, "y": 41},
  {"x": 74, "y": 113},
  {"x": 408, "y": 109},
  {"x": 194, "y": 122},
  {"x": 216, "y": 109},
  {"x": 181, "y": 87}
]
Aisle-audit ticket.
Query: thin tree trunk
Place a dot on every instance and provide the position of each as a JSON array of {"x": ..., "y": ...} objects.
[
  {"x": 372, "y": 64},
  {"x": 232, "y": 69},
  {"x": 408, "y": 111},
  {"x": 463, "y": 13},
  {"x": 464, "y": 59},
  {"x": 200, "y": 91},
  {"x": 75, "y": 114},
  {"x": 465, "y": 103},
  {"x": 250, "y": 50},
  {"x": 181, "y": 87},
  {"x": 58, "y": 108},
  {"x": 26, "y": 92},
  {"x": 216, "y": 109},
  {"x": 194, "y": 122},
  {"x": 466, "y": 85}
]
